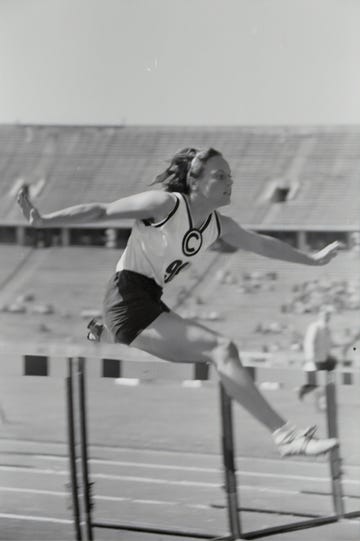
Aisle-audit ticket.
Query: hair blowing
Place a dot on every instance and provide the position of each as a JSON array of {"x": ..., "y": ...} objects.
[{"x": 188, "y": 162}]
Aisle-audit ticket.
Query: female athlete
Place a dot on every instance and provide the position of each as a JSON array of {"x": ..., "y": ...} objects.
[{"x": 173, "y": 226}]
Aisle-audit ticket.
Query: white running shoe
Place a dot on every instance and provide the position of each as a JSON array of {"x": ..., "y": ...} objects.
[{"x": 291, "y": 441}]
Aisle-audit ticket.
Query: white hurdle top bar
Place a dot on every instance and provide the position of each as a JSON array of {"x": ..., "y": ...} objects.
[{"x": 87, "y": 349}]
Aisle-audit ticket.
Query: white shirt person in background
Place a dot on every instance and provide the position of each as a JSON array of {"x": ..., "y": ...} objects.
[{"x": 317, "y": 350}]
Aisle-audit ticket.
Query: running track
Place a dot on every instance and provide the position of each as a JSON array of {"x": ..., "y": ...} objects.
[{"x": 166, "y": 489}]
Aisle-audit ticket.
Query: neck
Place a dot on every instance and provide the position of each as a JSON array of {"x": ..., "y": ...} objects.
[{"x": 200, "y": 207}]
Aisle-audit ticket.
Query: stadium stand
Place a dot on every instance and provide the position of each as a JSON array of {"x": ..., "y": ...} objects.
[
  {"x": 240, "y": 294},
  {"x": 60, "y": 289},
  {"x": 12, "y": 258},
  {"x": 287, "y": 181},
  {"x": 72, "y": 164}
]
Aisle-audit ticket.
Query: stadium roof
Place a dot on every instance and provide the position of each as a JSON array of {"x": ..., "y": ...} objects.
[{"x": 291, "y": 178}]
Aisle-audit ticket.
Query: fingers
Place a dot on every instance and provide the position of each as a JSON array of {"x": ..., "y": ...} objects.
[
  {"x": 331, "y": 250},
  {"x": 23, "y": 193},
  {"x": 340, "y": 245},
  {"x": 336, "y": 245},
  {"x": 24, "y": 201},
  {"x": 35, "y": 217},
  {"x": 328, "y": 253},
  {"x": 23, "y": 197}
]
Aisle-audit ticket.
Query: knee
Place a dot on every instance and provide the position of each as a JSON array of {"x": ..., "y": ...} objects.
[{"x": 225, "y": 350}]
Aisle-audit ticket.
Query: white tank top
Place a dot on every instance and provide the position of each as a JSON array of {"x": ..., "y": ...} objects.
[{"x": 161, "y": 250}]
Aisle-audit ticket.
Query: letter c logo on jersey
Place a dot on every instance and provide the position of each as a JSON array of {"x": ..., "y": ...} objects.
[{"x": 192, "y": 242}]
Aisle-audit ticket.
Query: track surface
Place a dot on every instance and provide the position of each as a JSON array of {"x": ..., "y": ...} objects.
[{"x": 161, "y": 468}]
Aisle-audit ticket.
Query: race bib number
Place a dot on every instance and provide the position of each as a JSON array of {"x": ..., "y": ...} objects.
[{"x": 174, "y": 268}]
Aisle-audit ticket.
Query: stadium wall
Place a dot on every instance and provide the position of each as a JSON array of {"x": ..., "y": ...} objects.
[
  {"x": 311, "y": 238},
  {"x": 298, "y": 183}
]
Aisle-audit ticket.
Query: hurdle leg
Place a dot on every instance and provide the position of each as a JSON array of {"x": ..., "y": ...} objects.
[
  {"x": 334, "y": 455},
  {"x": 229, "y": 463},
  {"x": 86, "y": 485},
  {"x": 71, "y": 449}
]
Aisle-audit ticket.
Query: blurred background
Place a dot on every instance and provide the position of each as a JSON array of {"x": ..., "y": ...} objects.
[{"x": 95, "y": 97}]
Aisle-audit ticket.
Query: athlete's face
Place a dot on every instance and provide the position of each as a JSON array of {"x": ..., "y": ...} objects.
[{"x": 215, "y": 181}]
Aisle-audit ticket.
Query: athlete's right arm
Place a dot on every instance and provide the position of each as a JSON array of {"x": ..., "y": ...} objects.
[{"x": 154, "y": 204}]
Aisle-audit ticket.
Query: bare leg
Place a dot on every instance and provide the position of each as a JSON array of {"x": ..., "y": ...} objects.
[
  {"x": 173, "y": 338},
  {"x": 240, "y": 386}
]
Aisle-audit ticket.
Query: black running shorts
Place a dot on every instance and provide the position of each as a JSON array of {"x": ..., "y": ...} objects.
[
  {"x": 329, "y": 364},
  {"x": 132, "y": 301}
]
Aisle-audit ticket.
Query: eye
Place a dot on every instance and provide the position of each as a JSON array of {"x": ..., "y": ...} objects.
[{"x": 224, "y": 177}]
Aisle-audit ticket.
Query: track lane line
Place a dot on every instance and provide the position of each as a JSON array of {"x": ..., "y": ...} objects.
[
  {"x": 177, "y": 468},
  {"x": 35, "y": 518}
]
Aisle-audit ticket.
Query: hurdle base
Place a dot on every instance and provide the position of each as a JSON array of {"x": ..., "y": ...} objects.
[
  {"x": 163, "y": 531},
  {"x": 256, "y": 534},
  {"x": 297, "y": 526}
]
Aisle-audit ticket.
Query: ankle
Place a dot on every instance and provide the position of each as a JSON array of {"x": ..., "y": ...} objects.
[{"x": 283, "y": 429}]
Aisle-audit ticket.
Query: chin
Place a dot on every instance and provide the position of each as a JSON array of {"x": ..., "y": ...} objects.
[
  {"x": 224, "y": 204},
  {"x": 227, "y": 201}
]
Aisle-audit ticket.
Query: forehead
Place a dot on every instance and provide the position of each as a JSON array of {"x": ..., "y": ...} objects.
[{"x": 217, "y": 163}]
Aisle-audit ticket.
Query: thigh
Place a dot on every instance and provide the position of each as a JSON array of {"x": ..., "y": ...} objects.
[{"x": 176, "y": 339}]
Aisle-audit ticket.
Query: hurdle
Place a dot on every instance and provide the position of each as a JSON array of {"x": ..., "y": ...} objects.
[{"x": 84, "y": 523}]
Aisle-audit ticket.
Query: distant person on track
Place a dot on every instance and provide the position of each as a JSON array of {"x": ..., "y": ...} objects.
[
  {"x": 317, "y": 351},
  {"x": 173, "y": 226}
]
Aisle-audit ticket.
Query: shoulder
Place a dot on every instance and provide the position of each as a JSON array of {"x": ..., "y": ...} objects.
[
  {"x": 158, "y": 197},
  {"x": 224, "y": 221},
  {"x": 230, "y": 228},
  {"x": 162, "y": 204},
  {"x": 158, "y": 201}
]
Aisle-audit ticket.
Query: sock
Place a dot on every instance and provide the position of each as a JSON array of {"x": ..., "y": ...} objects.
[{"x": 284, "y": 429}]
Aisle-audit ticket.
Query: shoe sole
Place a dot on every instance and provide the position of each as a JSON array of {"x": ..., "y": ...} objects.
[{"x": 322, "y": 453}]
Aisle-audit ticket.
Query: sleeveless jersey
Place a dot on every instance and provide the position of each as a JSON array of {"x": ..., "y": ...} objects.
[{"x": 161, "y": 250}]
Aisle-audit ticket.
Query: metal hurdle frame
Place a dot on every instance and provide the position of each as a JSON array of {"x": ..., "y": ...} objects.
[{"x": 81, "y": 489}]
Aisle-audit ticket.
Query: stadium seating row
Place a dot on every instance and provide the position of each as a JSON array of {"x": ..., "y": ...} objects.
[{"x": 66, "y": 165}]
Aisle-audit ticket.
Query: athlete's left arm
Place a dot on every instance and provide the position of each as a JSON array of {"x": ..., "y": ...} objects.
[{"x": 238, "y": 237}]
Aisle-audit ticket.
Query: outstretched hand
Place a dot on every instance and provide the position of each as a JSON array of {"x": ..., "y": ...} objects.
[
  {"x": 29, "y": 211},
  {"x": 328, "y": 253}
]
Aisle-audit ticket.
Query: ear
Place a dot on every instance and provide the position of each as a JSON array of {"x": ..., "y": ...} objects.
[{"x": 192, "y": 182}]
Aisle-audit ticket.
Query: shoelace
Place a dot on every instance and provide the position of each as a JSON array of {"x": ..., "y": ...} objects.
[{"x": 308, "y": 434}]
